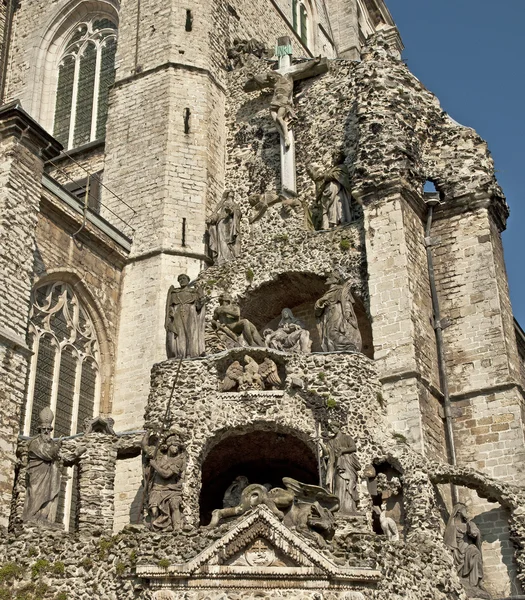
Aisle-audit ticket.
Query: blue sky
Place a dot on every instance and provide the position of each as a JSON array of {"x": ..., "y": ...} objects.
[{"x": 471, "y": 55}]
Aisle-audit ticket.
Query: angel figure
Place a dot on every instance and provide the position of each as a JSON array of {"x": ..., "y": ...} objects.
[{"x": 269, "y": 373}]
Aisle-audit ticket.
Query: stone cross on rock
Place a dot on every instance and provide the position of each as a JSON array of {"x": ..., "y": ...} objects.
[{"x": 281, "y": 106}]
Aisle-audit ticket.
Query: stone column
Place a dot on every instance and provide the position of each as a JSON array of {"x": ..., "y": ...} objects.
[
  {"x": 96, "y": 483},
  {"x": 24, "y": 146},
  {"x": 401, "y": 311}
]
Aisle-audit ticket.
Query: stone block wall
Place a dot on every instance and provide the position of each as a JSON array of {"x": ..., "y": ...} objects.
[{"x": 481, "y": 353}]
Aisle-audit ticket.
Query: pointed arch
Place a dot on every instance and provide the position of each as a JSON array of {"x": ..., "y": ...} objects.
[
  {"x": 53, "y": 61},
  {"x": 71, "y": 364}
]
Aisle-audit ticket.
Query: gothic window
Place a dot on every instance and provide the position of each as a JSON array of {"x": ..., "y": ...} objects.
[
  {"x": 65, "y": 365},
  {"x": 301, "y": 20},
  {"x": 86, "y": 72}
]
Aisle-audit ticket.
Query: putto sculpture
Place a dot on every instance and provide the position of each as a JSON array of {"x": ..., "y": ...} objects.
[
  {"x": 333, "y": 194},
  {"x": 185, "y": 311},
  {"x": 336, "y": 320},
  {"x": 165, "y": 463},
  {"x": 224, "y": 238},
  {"x": 231, "y": 328},
  {"x": 463, "y": 538},
  {"x": 290, "y": 336}
]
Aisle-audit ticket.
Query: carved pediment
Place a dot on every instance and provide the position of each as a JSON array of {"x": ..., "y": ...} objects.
[{"x": 259, "y": 547}]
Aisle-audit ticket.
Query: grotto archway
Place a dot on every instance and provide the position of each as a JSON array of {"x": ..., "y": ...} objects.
[
  {"x": 263, "y": 457},
  {"x": 298, "y": 291}
]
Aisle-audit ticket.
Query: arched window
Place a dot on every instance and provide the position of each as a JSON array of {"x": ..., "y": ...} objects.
[
  {"x": 85, "y": 74},
  {"x": 65, "y": 365},
  {"x": 301, "y": 21}
]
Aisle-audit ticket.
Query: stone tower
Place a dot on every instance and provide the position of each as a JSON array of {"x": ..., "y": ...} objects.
[{"x": 348, "y": 423}]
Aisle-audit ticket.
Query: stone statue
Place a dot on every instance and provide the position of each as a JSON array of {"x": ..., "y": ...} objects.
[
  {"x": 231, "y": 329},
  {"x": 336, "y": 320},
  {"x": 388, "y": 525},
  {"x": 463, "y": 538},
  {"x": 232, "y": 496},
  {"x": 251, "y": 376},
  {"x": 224, "y": 238},
  {"x": 341, "y": 467},
  {"x": 43, "y": 473},
  {"x": 163, "y": 475},
  {"x": 308, "y": 509},
  {"x": 281, "y": 105},
  {"x": 312, "y": 511},
  {"x": 290, "y": 336},
  {"x": 185, "y": 310},
  {"x": 333, "y": 194}
]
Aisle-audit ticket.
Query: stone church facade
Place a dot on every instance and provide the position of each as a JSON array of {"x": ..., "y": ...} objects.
[{"x": 369, "y": 445}]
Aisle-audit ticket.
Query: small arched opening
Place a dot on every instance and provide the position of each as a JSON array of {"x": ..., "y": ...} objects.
[
  {"x": 263, "y": 457},
  {"x": 298, "y": 291}
]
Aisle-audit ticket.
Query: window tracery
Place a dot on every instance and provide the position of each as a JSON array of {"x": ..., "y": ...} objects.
[
  {"x": 65, "y": 365},
  {"x": 86, "y": 72}
]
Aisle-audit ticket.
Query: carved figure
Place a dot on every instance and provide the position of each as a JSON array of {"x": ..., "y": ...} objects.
[
  {"x": 185, "y": 310},
  {"x": 336, "y": 320},
  {"x": 333, "y": 194},
  {"x": 463, "y": 538},
  {"x": 252, "y": 379},
  {"x": 165, "y": 464},
  {"x": 43, "y": 473},
  {"x": 233, "y": 330},
  {"x": 281, "y": 105},
  {"x": 224, "y": 240},
  {"x": 232, "y": 496},
  {"x": 342, "y": 467},
  {"x": 262, "y": 202},
  {"x": 251, "y": 496},
  {"x": 290, "y": 336},
  {"x": 233, "y": 377},
  {"x": 311, "y": 512},
  {"x": 388, "y": 525},
  {"x": 252, "y": 376},
  {"x": 269, "y": 373},
  {"x": 242, "y": 48}
]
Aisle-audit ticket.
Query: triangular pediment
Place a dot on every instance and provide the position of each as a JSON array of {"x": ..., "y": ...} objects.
[{"x": 260, "y": 547}]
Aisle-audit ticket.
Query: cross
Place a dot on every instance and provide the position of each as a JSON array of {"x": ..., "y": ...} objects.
[{"x": 281, "y": 106}]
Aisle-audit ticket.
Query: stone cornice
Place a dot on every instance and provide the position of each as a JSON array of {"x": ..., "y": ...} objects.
[
  {"x": 14, "y": 341},
  {"x": 372, "y": 194},
  {"x": 15, "y": 122}
]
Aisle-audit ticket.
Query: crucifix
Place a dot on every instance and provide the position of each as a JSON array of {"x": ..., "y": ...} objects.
[{"x": 281, "y": 106}]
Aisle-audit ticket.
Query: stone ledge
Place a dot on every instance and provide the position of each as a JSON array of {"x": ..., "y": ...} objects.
[{"x": 15, "y": 122}]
